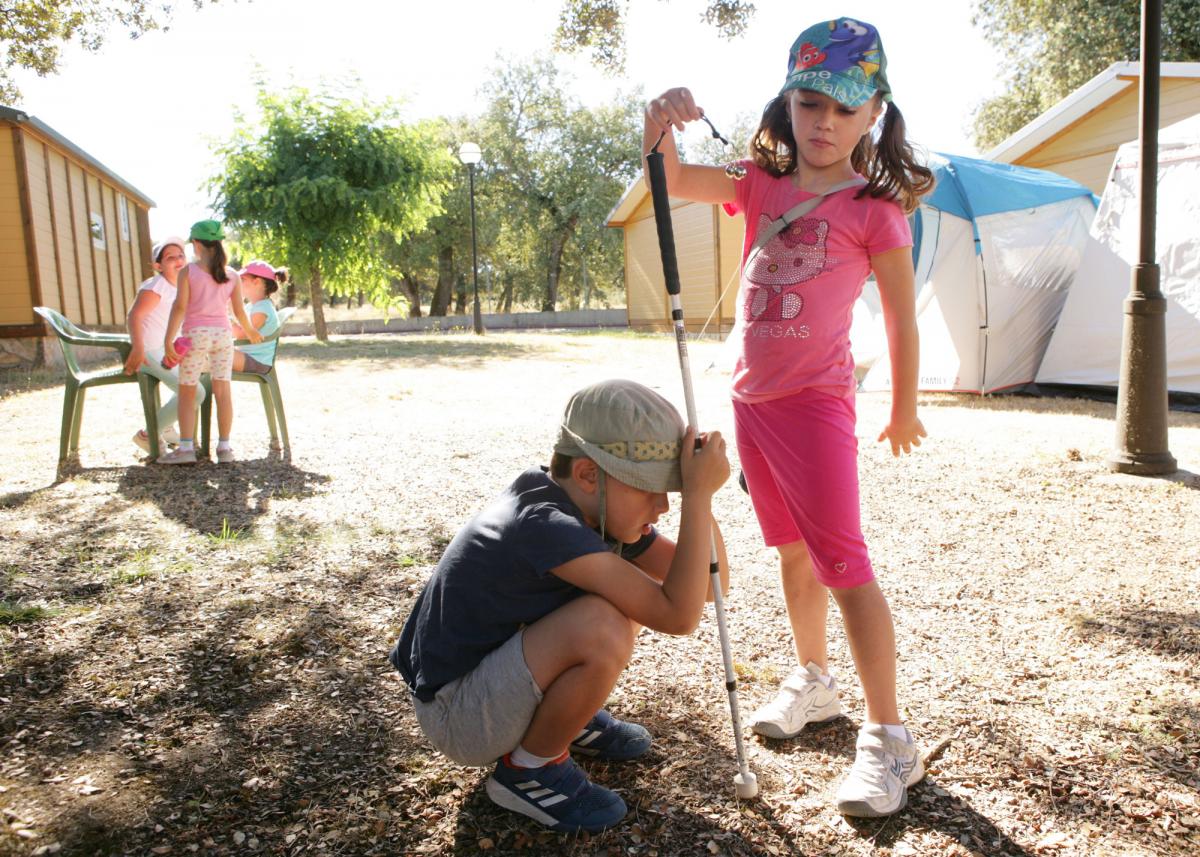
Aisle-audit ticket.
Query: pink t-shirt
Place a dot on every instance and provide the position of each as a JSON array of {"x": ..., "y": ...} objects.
[
  {"x": 208, "y": 300},
  {"x": 797, "y": 294}
]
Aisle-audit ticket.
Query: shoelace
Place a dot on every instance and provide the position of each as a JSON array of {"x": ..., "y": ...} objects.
[{"x": 870, "y": 763}]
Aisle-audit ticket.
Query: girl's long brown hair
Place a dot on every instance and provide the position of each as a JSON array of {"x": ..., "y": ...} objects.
[
  {"x": 891, "y": 169},
  {"x": 281, "y": 277},
  {"x": 215, "y": 264}
]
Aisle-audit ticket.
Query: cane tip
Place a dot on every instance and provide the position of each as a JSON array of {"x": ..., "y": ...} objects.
[{"x": 746, "y": 785}]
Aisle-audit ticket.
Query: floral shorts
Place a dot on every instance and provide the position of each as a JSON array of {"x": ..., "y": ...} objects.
[{"x": 211, "y": 351}]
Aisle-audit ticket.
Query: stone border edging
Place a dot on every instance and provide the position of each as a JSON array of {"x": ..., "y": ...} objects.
[{"x": 491, "y": 321}]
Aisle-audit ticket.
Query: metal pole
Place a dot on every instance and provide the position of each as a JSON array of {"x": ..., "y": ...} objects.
[
  {"x": 474, "y": 256},
  {"x": 1141, "y": 443},
  {"x": 745, "y": 781}
]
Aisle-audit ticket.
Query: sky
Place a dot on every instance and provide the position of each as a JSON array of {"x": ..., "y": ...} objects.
[{"x": 152, "y": 109}]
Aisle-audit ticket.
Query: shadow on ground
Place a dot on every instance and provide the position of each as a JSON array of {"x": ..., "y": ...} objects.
[
  {"x": 1171, "y": 632},
  {"x": 218, "y": 497},
  {"x": 425, "y": 351},
  {"x": 935, "y": 809},
  {"x": 273, "y": 718}
]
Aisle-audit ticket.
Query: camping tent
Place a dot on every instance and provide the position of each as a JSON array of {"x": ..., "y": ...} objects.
[
  {"x": 1086, "y": 346},
  {"x": 996, "y": 249}
]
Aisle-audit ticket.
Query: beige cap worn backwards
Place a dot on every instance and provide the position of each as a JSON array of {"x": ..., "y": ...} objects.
[{"x": 631, "y": 432}]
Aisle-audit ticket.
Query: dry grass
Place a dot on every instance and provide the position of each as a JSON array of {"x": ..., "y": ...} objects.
[{"x": 194, "y": 661}]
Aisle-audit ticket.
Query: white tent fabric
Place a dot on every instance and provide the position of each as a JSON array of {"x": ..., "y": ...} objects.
[
  {"x": 997, "y": 250},
  {"x": 1086, "y": 346}
]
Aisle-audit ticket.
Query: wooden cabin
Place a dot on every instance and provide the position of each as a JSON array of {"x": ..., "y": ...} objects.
[
  {"x": 708, "y": 244},
  {"x": 1078, "y": 137},
  {"x": 73, "y": 235}
]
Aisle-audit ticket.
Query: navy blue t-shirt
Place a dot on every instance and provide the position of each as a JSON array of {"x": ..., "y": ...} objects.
[{"x": 494, "y": 578}]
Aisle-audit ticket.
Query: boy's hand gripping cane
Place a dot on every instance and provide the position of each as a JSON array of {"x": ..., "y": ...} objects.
[{"x": 745, "y": 782}]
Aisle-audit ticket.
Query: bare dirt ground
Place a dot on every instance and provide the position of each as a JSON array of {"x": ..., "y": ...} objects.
[{"x": 194, "y": 661}]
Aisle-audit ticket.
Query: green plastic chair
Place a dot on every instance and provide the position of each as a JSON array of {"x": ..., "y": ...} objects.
[
  {"x": 78, "y": 382},
  {"x": 268, "y": 386}
]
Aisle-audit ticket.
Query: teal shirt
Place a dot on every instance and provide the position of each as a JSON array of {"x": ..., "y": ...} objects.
[{"x": 263, "y": 352}]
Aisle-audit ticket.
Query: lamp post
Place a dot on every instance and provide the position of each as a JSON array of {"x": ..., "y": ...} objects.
[
  {"x": 470, "y": 154},
  {"x": 1142, "y": 394}
]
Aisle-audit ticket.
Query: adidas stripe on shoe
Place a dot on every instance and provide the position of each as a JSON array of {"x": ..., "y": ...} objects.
[
  {"x": 611, "y": 740},
  {"x": 558, "y": 795}
]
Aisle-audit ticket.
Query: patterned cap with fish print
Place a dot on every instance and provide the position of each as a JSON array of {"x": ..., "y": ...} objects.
[{"x": 842, "y": 59}]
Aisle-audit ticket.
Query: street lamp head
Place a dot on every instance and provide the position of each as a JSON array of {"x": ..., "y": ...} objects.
[{"x": 470, "y": 153}]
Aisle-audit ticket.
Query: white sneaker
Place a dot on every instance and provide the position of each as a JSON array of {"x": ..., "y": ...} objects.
[
  {"x": 803, "y": 698},
  {"x": 884, "y": 767},
  {"x": 225, "y": 456},
  {"x": 178, "y": 456},
  {"x": 171, "y": 435},
  {"x": 143, "y": 441}
]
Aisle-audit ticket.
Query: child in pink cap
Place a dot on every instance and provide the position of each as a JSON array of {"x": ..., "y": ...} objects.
[
  {"x": 825, "y": 204},
  {"x": 260, "y": 280}
]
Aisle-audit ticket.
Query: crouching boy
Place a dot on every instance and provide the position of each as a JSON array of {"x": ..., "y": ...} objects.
[{"x": 531, "y": 614}]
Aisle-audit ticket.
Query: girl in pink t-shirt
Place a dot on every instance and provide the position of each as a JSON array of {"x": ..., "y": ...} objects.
[
  {"x": 207, "y": 290},
  {"x": 793, "y": 385}
]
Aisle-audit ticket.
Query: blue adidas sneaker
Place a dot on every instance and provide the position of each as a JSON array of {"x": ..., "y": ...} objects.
[
  {"x": 611, "y": 740},
  {"x": 558, "y": 795}
]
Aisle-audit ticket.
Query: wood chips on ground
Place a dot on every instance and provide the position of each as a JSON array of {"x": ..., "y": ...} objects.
[{"x": 194, "y": 660}]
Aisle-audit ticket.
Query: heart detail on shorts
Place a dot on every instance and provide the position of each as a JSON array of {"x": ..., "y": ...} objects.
[{"x": 839, "y": 567}]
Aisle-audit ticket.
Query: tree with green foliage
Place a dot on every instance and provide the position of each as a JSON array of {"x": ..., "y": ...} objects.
[
  {"x": 738, "y": 130},
  {"x": 559, "y": 163},
  {"x": 33, "y": 32},
  {"x": 431, "y": 260},
  {"x": 598, "y": 26},
  {"x": 319, "y": 178},
  {"x": 1054, "y": 46}
]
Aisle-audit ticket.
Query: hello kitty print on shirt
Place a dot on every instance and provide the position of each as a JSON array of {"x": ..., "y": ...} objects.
[{"x": 794, "y": 256}]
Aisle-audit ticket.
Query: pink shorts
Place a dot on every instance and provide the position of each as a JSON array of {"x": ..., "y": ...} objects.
[{"x": 800, "y": 457}]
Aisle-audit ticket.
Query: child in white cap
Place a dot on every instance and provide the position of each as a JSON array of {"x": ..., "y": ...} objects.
[
  {"x": 824, "y": 200},
  {"x": 147, "y": 324},
  {"x": 530, "y": 617}
]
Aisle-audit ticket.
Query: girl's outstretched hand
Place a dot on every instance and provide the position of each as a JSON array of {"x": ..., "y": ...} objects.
[
  {"x": 903, "y": 435},
  {"x": 254, "y": 336},
  {"x": 673, "y": 109}
]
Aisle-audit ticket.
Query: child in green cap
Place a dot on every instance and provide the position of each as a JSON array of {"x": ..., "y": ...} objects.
[
  {"x": 207, "y": 291},
  {"x": 531, "y": 615}
]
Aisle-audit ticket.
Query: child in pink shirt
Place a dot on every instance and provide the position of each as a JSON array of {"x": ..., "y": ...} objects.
[
  {"x": 207, "y": 289},
  {"x": 793, "y": 386}
]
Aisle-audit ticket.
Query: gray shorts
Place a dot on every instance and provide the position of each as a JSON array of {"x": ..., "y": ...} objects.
[
  {"x": 476, "y": 719},
  {"x": 254, "y": 366}
]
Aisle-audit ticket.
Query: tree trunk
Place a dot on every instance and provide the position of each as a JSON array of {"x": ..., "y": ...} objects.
[
  {"x": 587, "y": 286},
  {"x": 291, "y": 293},
  {"x": 556, "y": 252},
  {"x": 506, "y": 296},
  {"x": 360, "y": 300},
  {"x": 410, "y": 287},
  {"x": 445, "y": 282},
  {"x": 318, "y": 306},
  {"x": 460, "y": 295}
]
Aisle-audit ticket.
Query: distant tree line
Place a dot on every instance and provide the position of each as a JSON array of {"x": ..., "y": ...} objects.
[
  {"x": 357, "y": 201},
  {"x": 1053, "y": 47}
]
